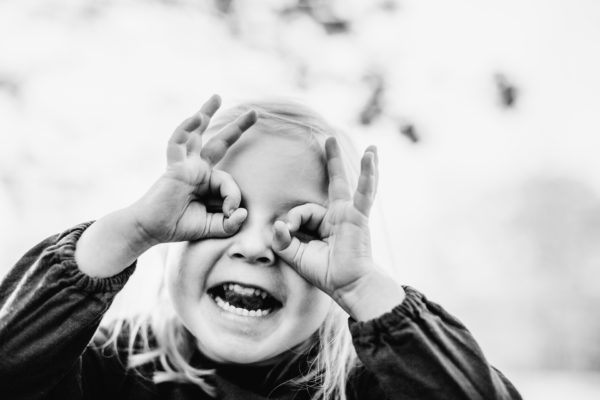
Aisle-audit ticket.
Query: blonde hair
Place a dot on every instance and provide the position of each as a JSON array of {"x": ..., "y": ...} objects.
[{"x": 159, "y": 337}]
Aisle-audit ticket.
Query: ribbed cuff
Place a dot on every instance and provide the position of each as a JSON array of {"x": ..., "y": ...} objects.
[
  {"x": 413, "y": 310},
  {"x": 410, "y": 308},
  {"x": 63, "y": 254}
]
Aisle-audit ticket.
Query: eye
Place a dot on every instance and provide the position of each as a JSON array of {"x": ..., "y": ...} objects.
[
  {"x": 213, "y": 205},
  {"x": 305, "y": 236}
]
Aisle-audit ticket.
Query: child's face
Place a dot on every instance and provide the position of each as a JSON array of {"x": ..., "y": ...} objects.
[{"x": 275, "y": 172}]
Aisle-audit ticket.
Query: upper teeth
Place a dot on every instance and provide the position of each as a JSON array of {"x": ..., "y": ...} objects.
[{"x": 246, "y": 291}]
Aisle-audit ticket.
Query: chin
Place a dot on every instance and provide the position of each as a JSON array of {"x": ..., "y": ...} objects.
[{"x": 240, "y": 351}]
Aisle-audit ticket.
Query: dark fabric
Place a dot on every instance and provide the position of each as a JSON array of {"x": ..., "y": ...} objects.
[{"x": 50, "y": 312}]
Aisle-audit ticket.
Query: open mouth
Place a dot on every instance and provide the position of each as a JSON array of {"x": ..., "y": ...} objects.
[{"x": 244, "y": 300}]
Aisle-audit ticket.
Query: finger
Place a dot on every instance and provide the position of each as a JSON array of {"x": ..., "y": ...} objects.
[
  {"x": 338, "y": 184},
  {"x": 194, "y": 144},
  {"x": 282, "y": 237},
  {"x": 373, "y": 149},
  {"x": 289, "y": 248},
  {"x": 221, "y": 226},
  {"x": 223, "y": 184},
  {"x": 206, "y": 112},
  {"x": 309, "y": 216},
  {"x": 190, "y": 124},
  {"x": 208, "y": 109},
  {"x": 365, "y": 190},
  {"x": 176, "y": 149},
  {"x": 216, "y": 148}
]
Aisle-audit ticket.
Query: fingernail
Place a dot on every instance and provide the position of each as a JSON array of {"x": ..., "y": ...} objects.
[
  {"x": 242, "y": 212},
  {"x": 278, "y": 233}
]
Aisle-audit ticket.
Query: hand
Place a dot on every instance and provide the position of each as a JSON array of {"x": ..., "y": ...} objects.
[
  {"x": 339, "y": 260},
  {"x": 192, "y": 200}
]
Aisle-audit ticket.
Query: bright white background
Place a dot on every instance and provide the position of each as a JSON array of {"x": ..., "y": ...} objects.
[{"x": 495, "y": 212}]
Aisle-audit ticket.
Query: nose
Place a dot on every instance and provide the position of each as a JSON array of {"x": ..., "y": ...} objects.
[{"x": 252, "y": 244}]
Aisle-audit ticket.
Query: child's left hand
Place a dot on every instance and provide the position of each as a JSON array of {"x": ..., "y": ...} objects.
[{"x": 340, "y": 262}]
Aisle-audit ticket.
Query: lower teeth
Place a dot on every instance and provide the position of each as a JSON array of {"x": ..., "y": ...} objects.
[{"x": 240, "y": 311}]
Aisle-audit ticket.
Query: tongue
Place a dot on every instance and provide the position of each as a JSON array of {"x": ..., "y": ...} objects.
[{"x": 243, "y": 301}]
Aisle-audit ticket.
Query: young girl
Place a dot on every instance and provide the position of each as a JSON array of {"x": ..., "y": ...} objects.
[{"x": 271, "y": 288}]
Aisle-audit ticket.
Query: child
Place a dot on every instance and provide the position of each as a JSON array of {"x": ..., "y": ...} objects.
[{"x": 273, "y": 255}]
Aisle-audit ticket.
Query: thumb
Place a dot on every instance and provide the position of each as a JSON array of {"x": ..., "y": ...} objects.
[
  {"x": 289, "y": 248},
  {"x": 218, "y": 225}
]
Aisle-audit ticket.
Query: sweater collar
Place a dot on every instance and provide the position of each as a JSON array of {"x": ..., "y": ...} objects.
[{"x": 254, "y": 382}]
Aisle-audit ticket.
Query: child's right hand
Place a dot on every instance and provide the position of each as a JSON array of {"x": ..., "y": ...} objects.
[
  {"x": 191, "y": 200},
  {"x": 175, "y": 208}
]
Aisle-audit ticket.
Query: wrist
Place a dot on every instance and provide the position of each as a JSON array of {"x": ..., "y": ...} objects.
[
  {"x": 370, "y": 296},
  {"x": 110, "y": 245},
  {"x": 133, "y": 229}
]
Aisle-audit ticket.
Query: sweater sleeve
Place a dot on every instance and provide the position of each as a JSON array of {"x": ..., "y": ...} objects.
[
  {"x": 419, "y": 351},
  {"x": 49, "y": 311}
]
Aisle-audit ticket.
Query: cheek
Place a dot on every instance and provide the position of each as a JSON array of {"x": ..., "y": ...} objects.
[
  {"x": 313, "y": 304},
  {"x": 188, "y": 265},
  {"x": 317, "y": 305}
]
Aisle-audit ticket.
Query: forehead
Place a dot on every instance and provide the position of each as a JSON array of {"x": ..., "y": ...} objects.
[{"x": 287, "y": 165}]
